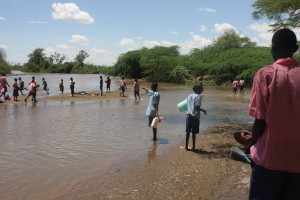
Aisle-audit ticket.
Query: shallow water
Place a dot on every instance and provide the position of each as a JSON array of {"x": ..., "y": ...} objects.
[{"x": 48, "y": 148}]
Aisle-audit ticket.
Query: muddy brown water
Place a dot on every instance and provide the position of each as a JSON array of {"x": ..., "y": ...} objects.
[{"x": 49, "y": 148}]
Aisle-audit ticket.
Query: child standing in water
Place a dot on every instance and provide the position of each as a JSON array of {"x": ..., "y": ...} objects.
[
  {"x": 101, "y": 86},
  {"x": 16, "y": 88},
  {"x": 61, "y": 86},
  {"x": 123, "y": 87},
  {"x": 108, "y": 82},
  {"x": 21, "y": 85},
  {"x": 152, "y": 110},
  {"x": 136, "y": 89},
  {"x": 72, "y": 87},
  {"x": 193, "y": 116},
  {"x": 45, "y": 85}
]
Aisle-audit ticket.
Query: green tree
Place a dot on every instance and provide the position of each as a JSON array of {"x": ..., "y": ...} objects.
[
  {"x": 230, "y": 40},
  {"x": 81, "y": 56},
  {"x": 58, "y": 58},
  {"x": 158, "y": 62},
  {"x": 37, "y": 61},
  {"x": 4, "y": 67},
  {"x": 285, "y": 13}
]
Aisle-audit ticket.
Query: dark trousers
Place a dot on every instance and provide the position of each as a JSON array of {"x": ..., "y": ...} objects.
[{"x": 268, "y": 184}]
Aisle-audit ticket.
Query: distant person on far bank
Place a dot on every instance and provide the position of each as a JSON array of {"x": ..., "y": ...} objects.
[
  {"x": 101, "y": 86},
  {"x": 275, "y": 105},
  {"x": 136, "y": 89},
  {"x": 201, "y": 84},
  {"x": 235, "y": 85},
  {"x": 193, "y": 116},
  {"x": 152, "y": 110},
  {"x": 61, "y": 86},
  {"x": 108, "y": 82},
  {"x": 242, "y": 86},
  {"x": 72, "y": 87},
  {"x": 123, "y": 87}
]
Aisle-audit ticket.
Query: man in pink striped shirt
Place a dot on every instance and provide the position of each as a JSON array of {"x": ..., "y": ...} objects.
[{"x": 275, "y": 104}]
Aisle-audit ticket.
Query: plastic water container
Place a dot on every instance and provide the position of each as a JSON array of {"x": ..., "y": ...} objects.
[
  {"x": 182, "y": 106},
  {"x": 155, "y": 122}
]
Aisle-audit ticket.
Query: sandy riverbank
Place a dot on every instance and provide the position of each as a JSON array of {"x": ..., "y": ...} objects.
[
  {"x": 90, "y": 96},
  {"x": 209, "y": 173}
]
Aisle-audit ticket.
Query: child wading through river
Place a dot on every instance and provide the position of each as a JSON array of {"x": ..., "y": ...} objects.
[
  {"x": 193, "y": 116},
  {"x": 152, "y": 110}
]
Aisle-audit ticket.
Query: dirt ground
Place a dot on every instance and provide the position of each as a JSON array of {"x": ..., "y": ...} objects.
[{"x": 209, "y": 173}]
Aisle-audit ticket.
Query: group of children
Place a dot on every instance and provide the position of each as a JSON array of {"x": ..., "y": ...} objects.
[
  {"x": 238, "y": 84},
  {"x": 192, "y": 116}
]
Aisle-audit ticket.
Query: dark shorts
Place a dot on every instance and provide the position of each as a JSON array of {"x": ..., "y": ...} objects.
[
  {"x": 101, "y": 87},
  {"x": 123, "y": 88},
  {"x": 234, "y": 89},
  {"x": 242, "y": 87},
  {"x": 150, "y": 119},
  {"x": 45, "y": 87},
  {"x": 192, "y": 124},
  {"x": 271, "y": 184},
  {"x": 72, "y": 90}
]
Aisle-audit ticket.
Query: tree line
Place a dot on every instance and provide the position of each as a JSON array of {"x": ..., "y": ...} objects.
[{"x": 229, "y": 57}]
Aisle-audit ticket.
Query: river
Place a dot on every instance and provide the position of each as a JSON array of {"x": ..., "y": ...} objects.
[{"x": 48, "y": 148}]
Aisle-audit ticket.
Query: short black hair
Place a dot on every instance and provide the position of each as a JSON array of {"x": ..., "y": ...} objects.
[
  {"x": 197, "y": 89},
  {"x": 154, "y": 86},
  {"x": 284, "y": 39}
]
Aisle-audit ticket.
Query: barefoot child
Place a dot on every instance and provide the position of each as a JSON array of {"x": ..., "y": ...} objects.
[
  {"x": 45, "y": 85},
  {"x": 16, "y": 88},
  {"x": 72, "y": 87},
  {"x": 136, "y": 88},
  {"x": 61, "y": 86},
  {"x": 193, "y": 116},
  {"x": 152, "y": 110}
]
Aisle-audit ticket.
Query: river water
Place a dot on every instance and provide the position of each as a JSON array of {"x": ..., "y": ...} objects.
[{"x": 49, "y": 148}]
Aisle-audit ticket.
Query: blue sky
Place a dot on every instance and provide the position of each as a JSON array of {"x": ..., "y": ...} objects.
[{"x": 107, "y": 28}]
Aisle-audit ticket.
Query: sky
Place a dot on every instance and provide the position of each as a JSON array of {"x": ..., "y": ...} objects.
[{"x": 105, "y": 29}]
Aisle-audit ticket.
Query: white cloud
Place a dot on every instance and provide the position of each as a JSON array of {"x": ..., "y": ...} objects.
[
  {"x": 138, "y": 38},
  {"x": 63, "y": 46},
  {"x": 80, "y": 39},
  {"x": 196, "y": 42},
  {"x": 37, "y": 22},
  {"x": 210, "y": 10},
  {"x": 262, "y": 34},
  {"x": 2, "y": 18},
  {"x": 174, "y": 33},
  {"x": 150, "y": 44},
  {"x": 71, "y": 13},
  {"x": 263, "y": 37},
  {"x": 3, "y": 47},
  {"x": 101, "y": 51},
  {"x": 202, "y": 28},
  {"x": 49, "y": 50},
  {"x": 221, "y": 28},
  {"x": 126, "y": 42},
  {"x": 168, "y": 43}
]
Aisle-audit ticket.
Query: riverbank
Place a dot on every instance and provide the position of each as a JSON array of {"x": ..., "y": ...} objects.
[
  {"x": 209, "y": 173},
  {"x": 85, "y": 96}
]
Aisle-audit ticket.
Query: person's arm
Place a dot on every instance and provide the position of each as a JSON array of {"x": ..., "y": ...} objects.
[
  {"x": 257, "y": 131},
  {"x": 204, "y": 111},
  {"x": 145, "y": 89},
  {"x": 156, "y": 110}
]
